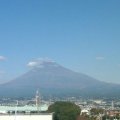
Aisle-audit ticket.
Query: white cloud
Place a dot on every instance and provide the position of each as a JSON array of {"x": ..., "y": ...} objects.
[
  {"x": 46, "y": 59},
  {"x": 40, "y": 62},
  {"x": 2, "y": 58},
  {"x": 100, "y": 58},
  {"x": 32, "y": 64}
]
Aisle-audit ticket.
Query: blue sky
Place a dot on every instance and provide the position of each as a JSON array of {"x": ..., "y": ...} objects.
[{"x": 83, "y": 35}]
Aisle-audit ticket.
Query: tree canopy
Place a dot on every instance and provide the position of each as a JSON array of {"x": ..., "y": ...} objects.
[{"x": 64, "y": 110}]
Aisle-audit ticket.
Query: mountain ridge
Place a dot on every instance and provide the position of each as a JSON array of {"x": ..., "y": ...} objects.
[{"x": 52, "y": 78}]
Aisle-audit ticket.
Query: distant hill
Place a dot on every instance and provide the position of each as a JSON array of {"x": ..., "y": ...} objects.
[{"x": 54, "y": 79}]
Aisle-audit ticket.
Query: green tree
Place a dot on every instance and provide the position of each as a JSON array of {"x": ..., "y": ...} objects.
[{"x": 64, "y": 111}]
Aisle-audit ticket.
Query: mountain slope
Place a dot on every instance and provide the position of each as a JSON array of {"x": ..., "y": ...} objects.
[{"x": 52, "y": 78}]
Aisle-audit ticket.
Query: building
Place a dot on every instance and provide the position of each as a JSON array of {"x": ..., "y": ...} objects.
[
  {"x": 48, "y": 116},
  {"x": 113, "y": 112},
  {"x": 85, "y": 112},
  {"x": 26, "y": 112}
]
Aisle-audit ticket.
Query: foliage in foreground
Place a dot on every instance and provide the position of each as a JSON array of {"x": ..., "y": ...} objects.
[{"x": 64, "y": 111}]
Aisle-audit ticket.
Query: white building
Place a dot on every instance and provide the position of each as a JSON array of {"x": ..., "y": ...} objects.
[
  {"x": 26, "y": 112},
  {"x": 27, "y": 117},
  {"x": 85, "y": 111}
]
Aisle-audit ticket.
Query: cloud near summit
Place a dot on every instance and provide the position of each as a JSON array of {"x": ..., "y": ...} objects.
[
  {"x": 39, "y": 62},
  {"x": 32, "y": 64}
]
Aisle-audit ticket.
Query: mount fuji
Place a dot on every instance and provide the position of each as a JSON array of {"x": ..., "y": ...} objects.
[{"x": 53, "y": 79}]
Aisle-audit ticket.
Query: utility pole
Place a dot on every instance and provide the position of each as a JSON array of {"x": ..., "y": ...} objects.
[
  {"x": 112, "y": 105},
  {"x": 38, "y": 101}
]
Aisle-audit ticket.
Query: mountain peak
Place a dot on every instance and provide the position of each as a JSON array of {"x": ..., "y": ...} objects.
[{"x": 52, "y": 78}]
